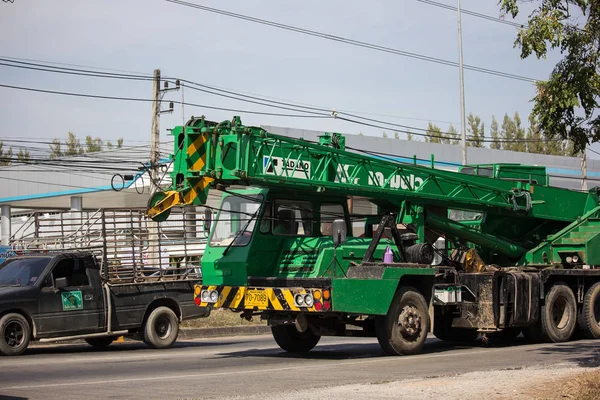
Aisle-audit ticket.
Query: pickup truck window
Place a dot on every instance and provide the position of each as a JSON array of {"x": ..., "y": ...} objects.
[
  {"x": 74, "y": 270},
  {"x": 22, "y": 272}
]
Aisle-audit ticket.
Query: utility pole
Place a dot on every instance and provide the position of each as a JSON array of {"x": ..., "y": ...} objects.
[
  {"x": 155, "y": 133},
  {"x": 584, "y": 185},
  {"x": 463, "y": 122},
  {"x": 157, "y": 94},
  {"x": 154, "y": 256}
]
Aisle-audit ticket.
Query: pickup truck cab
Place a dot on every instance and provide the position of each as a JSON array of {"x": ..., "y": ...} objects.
[{"x": 63, "y": 296}]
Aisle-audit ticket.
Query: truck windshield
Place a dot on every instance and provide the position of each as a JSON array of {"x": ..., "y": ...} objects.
[
  {"x": 22, "y": 272},
  {"x": 236, "y": 220}
]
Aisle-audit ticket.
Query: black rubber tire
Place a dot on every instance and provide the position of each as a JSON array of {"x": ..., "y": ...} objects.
[
  {"x": 589, "y": 319},
  {"x": 559, "y": 313},
  {"x": 100, "y": 342},
  {"x": 15, "y": 334},
  {"x": 293, "y": 341},
  {"x": 161, "y": 328},
  {"x": 396, "y": 338}
]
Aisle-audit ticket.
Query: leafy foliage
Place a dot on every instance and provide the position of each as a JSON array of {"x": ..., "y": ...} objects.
[
  {"x": 565, "y": 105},
  {"x": 73, "y": 146}
]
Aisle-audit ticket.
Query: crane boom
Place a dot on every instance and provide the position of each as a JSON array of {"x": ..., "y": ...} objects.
[{"x": 228, "y": 153}]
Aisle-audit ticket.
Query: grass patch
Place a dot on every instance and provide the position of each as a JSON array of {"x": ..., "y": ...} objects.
[
  {"x": 219, "y": 318},
  {"x": 582, "y": 387}
]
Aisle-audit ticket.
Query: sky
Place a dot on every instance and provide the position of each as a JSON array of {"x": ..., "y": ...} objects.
[{"x": 136, "y": 36}]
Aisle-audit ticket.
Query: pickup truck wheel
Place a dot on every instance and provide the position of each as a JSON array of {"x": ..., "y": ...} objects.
[
  {"x": 589, "y": 320},
  {"x": 161, "y": 328},
  {"x": 15, "y": 334},
  {"x": 292, "y": 340},
  {"x": 559, "y": 313},
  {"x": 404, "y": 329},
  {"x": 100, "y": 342}
]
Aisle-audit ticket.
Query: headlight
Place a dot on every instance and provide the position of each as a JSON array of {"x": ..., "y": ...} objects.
[
  {"x": 299, "y": 299},
  {"x": 205, "y": 296},
  {"x": 575, "y": 259},
  {"x": 214, "y": 296},
  {"x": 308, "y": 300},
  {"x": 569, "y": 259}
]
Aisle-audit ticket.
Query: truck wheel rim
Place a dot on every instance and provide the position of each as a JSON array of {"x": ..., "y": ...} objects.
[
  {"x": 561, "y": 314},
  {"x": 163, "y": 327},
  {"x": 13, "y": 334},
  {"x": 409, "y": 322}
]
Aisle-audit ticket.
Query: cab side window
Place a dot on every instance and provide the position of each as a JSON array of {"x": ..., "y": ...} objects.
[
  {"x": 293, "y": 218},
  {"x": 74, "y": 270},
  {"x": 329, "y": 213}
]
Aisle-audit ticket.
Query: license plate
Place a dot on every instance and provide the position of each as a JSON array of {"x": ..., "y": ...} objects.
[{"x": 256, "y": 298}]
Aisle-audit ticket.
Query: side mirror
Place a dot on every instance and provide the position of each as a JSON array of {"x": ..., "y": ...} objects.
[
  {"x": 339, "y": 232},
  {"x": 61, "y": 282}
]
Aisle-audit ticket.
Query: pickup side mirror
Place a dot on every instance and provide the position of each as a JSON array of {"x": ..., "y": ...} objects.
[
  {"x": 338, "y": 231},
  {"x": 61, "y": 282}
]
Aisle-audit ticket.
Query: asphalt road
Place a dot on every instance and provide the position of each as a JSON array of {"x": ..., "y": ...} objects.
[{"x": 249, "y": 365}]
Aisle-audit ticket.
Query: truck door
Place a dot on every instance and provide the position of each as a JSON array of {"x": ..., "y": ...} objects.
[{"x": 76, "y": 308}]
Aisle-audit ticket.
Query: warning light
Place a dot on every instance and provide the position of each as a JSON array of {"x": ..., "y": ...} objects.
[
  {"x": 197, "y": 300},
  {"x": 326, "y": 294},
  {"x": 327, "y": 305}
]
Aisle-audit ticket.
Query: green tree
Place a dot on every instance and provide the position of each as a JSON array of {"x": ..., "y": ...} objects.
[
  {"x": 56, "y": 149},
  {"x": 410, "y": 136},
  {"x": 535, "y": 141},
  {"x": 92, "y": 145},
  {"x": 5, "y": 155},
  {"x": 396, "y": 135},
  {"x": 452, "y": 135},
  {"x": 565, "y": 104},
  {"x": 508, "y": 133},
  {"x": 553, "y": 146},
  {"x": 385, "y": 134},
  {"x": 23, "y": 155},
  {"x": 434, "y": 134},
  {"x": 475, "y": 131},
  {"x": 519, "y": 144},
  {"x": 496, "y": 145},
  {"x": 73, "y": 146}
]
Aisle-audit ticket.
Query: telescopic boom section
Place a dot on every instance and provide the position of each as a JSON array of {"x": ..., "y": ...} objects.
[{"x": 227, "y": 153}]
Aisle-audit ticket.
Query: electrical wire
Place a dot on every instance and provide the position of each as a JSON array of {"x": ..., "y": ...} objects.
[
  {"x": 473, "y": 13},
  {"x": 150, "y": 100},
  {"x": 353, "y": 42}
]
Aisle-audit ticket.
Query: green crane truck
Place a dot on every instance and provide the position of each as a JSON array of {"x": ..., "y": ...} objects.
[{"x": 490, "y": 250}]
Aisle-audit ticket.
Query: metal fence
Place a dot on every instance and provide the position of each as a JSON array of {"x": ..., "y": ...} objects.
[{"x": 129, "y": 246}]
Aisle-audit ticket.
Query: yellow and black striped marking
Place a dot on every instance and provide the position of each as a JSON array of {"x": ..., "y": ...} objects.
[{"x": 277, "y": 299}]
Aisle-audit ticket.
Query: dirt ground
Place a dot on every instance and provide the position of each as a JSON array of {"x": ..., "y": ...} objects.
[{"x": 550, "y": 382}]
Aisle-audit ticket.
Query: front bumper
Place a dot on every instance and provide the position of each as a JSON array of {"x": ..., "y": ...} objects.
[{"x": 239, "y": 298}]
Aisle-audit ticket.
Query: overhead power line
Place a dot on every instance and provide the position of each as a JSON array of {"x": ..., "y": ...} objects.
[
  {"x": 354, "y": 42},
  {"x": 149, "y": 100},
  {"x": 472, "y": 13},
  {"x": 309, "y": 114}
]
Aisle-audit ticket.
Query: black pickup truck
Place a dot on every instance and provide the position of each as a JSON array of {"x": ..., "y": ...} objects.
[{"x": 63, "y": 296}]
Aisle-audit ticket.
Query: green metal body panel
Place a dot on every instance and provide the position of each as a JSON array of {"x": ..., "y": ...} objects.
[
  {"x": 523, "y": 220},
  {"x": 371, "y": 296}
]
